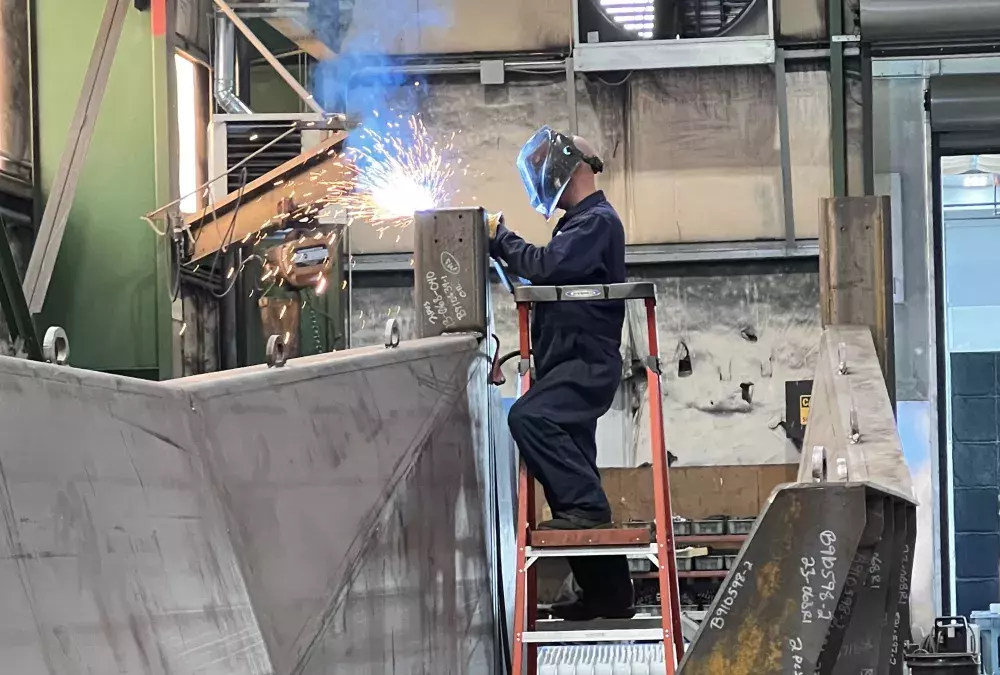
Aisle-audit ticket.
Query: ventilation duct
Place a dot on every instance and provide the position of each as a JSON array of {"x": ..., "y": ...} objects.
[
  {"x": 965, "y": 112},
  {"x": 225, "y": 69},
  {"x": 918, "y": 22}
]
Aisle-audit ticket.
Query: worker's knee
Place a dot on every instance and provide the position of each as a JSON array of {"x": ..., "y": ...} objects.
[{"x": 519, "y": 417}]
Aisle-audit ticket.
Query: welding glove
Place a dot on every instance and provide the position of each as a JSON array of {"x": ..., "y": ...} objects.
[{"x": 494, "y": 221}]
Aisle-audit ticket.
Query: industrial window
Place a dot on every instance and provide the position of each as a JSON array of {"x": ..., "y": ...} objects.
[
  {"x": 192, "y": 130},
  {"x": 633, "y": 15}
]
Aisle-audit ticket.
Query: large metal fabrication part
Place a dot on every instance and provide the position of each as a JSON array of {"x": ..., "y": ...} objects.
[
  {"x": 451, "y": 263},
  {"x": 823, "y": 582},
  {"x": 326, "y": 516}
]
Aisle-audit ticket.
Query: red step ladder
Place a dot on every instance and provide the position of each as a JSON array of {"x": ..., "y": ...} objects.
[{"x": 532, "y": 544}]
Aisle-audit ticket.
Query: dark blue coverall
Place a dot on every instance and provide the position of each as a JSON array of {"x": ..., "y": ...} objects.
[{"x": 578, "y": 368}]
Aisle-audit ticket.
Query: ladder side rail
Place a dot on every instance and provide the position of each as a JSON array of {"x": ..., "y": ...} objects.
[
  {"x": 525, "y": 657},
  {"x": 673, "y": 641}
]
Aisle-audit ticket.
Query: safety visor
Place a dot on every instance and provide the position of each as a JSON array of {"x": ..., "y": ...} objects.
[{"x": 546, "y": 163}]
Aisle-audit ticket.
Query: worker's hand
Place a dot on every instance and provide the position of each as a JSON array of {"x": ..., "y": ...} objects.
[{"x": 494, "y": 221}]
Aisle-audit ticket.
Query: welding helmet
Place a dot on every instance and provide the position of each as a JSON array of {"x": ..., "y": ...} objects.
[{"x": 546, "y": 164}]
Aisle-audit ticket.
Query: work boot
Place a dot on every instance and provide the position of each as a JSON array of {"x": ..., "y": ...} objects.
[{"x": 569, "y": 521}]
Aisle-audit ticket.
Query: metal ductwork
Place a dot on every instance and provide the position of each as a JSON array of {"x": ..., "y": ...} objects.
[
  {"x": 923, "y": 21},
  {"x": 965, "y": 112},
  {"x": 225, "y": 69},
  {"x": 965, "y": 102}
]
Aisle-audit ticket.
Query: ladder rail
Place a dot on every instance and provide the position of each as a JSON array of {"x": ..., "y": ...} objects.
[
  {"x": 670, "y": 602},
  {"x": 525, "y": 587}
]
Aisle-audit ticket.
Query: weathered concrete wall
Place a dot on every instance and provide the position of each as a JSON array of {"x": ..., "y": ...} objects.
[
  {"x": 672, "y": 141},
  {"x": 757, "y": 327},
  {"x": 451, "y": 26},
  {"x": 759, "y": 330}
]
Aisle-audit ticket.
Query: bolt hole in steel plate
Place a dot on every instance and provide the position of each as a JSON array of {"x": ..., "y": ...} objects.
[
  {"x": 391, "y": 334},
  {"x": 277, "y": 355},
  {"x": 55, "y": 346}
]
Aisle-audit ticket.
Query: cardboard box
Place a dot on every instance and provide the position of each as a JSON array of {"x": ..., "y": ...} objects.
[{"x": 696, "y": 492}]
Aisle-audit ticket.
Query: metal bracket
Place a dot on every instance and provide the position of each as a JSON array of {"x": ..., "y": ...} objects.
[
  {"x": 55, "y": 346},
  {"x": 855, "y": 435},
  {"x": 653, "y": 363},
  {"x": 523, "y": 366},
  {"x": 842, "y": 358},
  {"x": 391, "y": 334},
  {"x": 277, "y": 355}
]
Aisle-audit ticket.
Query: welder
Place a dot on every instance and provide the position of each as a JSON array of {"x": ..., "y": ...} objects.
[{"x": 577, "y": 359}]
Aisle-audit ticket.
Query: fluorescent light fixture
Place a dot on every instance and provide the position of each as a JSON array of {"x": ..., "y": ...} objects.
[
  {"x": 623, "y": 11},
  {"x": 977, "y": 180},
  {"x": 187, "y": 134},
  {"x": 636, "y": 16}
]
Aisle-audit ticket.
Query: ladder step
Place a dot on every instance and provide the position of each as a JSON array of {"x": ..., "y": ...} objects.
[
  {"x": 637, "y": 551},
  {"x": 584, "y": 538},
  {"x": 604, "y": 630}
]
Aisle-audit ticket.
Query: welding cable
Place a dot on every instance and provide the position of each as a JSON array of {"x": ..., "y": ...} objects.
[
  {"x": 508, "y": 356},
  {"x": 236, "y": 276},
  {"x": 239, "y": 165},
  {"x": 619, "y": 83},
  {"x": 152, "y": 226},
  {"x": 176, "y": 253},
  {"x": 227, "y": 239}
]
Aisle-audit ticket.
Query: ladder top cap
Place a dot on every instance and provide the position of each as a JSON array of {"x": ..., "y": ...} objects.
[{"x": 637, "y": 290}]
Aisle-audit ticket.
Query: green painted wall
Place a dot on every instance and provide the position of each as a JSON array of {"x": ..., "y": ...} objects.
[
  {"x": 271, "y": 94},
  {"x": 105, "y": 291}
]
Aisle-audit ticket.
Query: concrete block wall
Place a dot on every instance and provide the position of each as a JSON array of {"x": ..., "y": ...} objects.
[{"x": 975, "y": 429}]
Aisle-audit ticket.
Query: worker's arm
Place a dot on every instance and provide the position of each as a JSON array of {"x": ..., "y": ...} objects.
[{"x": 569, "y": 257}]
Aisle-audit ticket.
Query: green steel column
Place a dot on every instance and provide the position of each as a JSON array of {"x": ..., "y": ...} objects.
[
  {"x": 108, "y": 288},
  {"x": 12, "y": 301},
  {"x": 166, "y": 179},
  {"x": 838, "y": 97},
  {"x": 867, "y": 121}
]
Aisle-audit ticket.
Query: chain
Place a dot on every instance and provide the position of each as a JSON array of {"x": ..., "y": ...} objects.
[{"x": 315, "y": 326}]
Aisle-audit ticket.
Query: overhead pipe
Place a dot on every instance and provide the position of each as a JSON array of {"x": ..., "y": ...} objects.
[
  {"x": 225, "y": 69},
  {"x": 289, "y": 79}
]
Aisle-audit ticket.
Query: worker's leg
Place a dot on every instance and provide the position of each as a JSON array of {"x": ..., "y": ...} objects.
[{"x": 554, "y": 425}]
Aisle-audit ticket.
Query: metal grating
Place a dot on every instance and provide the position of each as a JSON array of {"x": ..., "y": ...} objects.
[{"x": 242, "y": 140}]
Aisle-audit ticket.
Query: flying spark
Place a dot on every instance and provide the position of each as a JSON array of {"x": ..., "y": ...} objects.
[{"x": 400, "y": 173}]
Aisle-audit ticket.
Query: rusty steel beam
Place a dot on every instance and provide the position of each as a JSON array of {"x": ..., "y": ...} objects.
[{"x": 265, "y": 202}]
